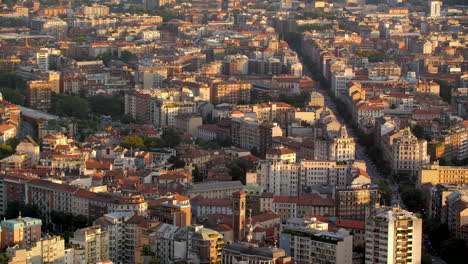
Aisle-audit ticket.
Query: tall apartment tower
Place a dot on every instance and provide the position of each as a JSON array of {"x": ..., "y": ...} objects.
[
  {"x": 38, "y": 95},
  {"x": 434, "y": 8},
  {"x": 393, "y": 236},
  {"x": 42, "y": 60},
  {"x": 238, "y": 208}
]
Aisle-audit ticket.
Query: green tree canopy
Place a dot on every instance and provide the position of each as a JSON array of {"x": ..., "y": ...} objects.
[
  {"x": 133, "y": 142},
  {"x": 171, "y": 137}
]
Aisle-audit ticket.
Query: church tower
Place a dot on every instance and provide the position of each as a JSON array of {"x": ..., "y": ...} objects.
[{"x": 238, "y": 213}]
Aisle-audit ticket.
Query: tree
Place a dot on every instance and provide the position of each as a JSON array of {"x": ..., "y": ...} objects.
[
  {"x": 236, "y": 172},
  {"x": 13, "y": 142},
  {"x": 128, "y": 57},
  {"x": 14, "y": 208},
  {"x": 133, "y": 142},
  {"x": 385, "y": 192},
  {"x": 107, "y": 106},
  {"x": 76, "y": 107},
  {"x": 454, "y": 251},
  {"x": 151, "y": 142},
  {"x": 5, "y": 151},
  {"x": 12, "y": 95},
  {"x": 196, "y": 175},
  {"x": 146, "y": 251},
  {"x": 445, "y": 89},
  {"x": 176, "y": 162},
  {"x": 436, "y": 231},
  {"x": 171, "y": 137},
  {"x": 418, "y": 131}
]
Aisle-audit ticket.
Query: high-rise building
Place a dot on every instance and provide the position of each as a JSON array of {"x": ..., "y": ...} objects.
[
  {"x": 42, "y": 60},
  {"x": 455, "y": 140},
  {"x": 309, "y": 241},
  {"x": 95, "y": 242},
  {"x": 38, "y": 95},
  {"x": 393, "y": 236},
  {"x": 435, "y": 7},
  {"x": 238, "y": 206}
]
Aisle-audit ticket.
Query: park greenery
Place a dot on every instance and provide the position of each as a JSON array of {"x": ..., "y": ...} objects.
[{"x": 297, "y": 100}]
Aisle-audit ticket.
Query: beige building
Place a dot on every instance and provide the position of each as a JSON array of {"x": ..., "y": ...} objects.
[
  {"x": 316, "y": 99},
  {"x": 455, "y": 140},
  {"x": 189, "y": 123},
  {"x": 232, "y": 92},
  {"x": 95, "y": 10},
  {"x": 273, "y": 112},
  {"x": 164, "y": 111},
  {"x": 393, "y": 236},
  {"x": 409, "y": 153},
  {"x": 47, "y": 250},
  {"x": 95, "y": 242},
  {"x": 436, "y": 174},
  {"x": 285, "y": 177},
  {"x": 309, "y": 241}
]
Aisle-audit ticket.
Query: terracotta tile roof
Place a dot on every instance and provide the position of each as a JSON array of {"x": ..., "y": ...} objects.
[
  {"x": 172, "y": 175},
  {"x": 279, "y": 151},
  {"x": 264, "y": 217},
  {"x": 103, "y": 164},
  {"x": 347, "y": 223},
  {"x": 214, "y": 202},
  {"x": 222, "y": 227},
  {"x": 52, "y": 185}
]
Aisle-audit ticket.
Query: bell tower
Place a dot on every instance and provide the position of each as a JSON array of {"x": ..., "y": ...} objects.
[{"x": 238, "y": 213}]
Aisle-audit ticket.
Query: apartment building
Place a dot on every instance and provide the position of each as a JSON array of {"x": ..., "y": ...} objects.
[
  {"x": 205, "y": 243},
  {"x": 339, "y": 147},
  {"x": 250, "y": 134},
  {"x": 357, "y": 200},
  {"x": 273, "y": 112},
  {"x": 22, "y": 231},
  {"x": 215, "y": 189},
  {"x": 39, "y": 94},
  {"x": 436, "y": 174},
  {"x": 393, "y": 236},
  {"x": 233, "y": 253},
  {"x": 282, "y": 177},
  {"x": 437, "y": 203},
  {"x": 175, "y": 210},
  {"x": 308, "y": 204},
  {"x": 409, "y": 153},
  {"x": 309, "y": 241},
  {"x": 457, "y": 212},
  {"x": 231, "y": 92},
  {"x": 95, "y": 242},
  {"x": 163, "y": 112},
  {"x": 455, "y": 141},
  {"x": 49, "y": 249}
]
